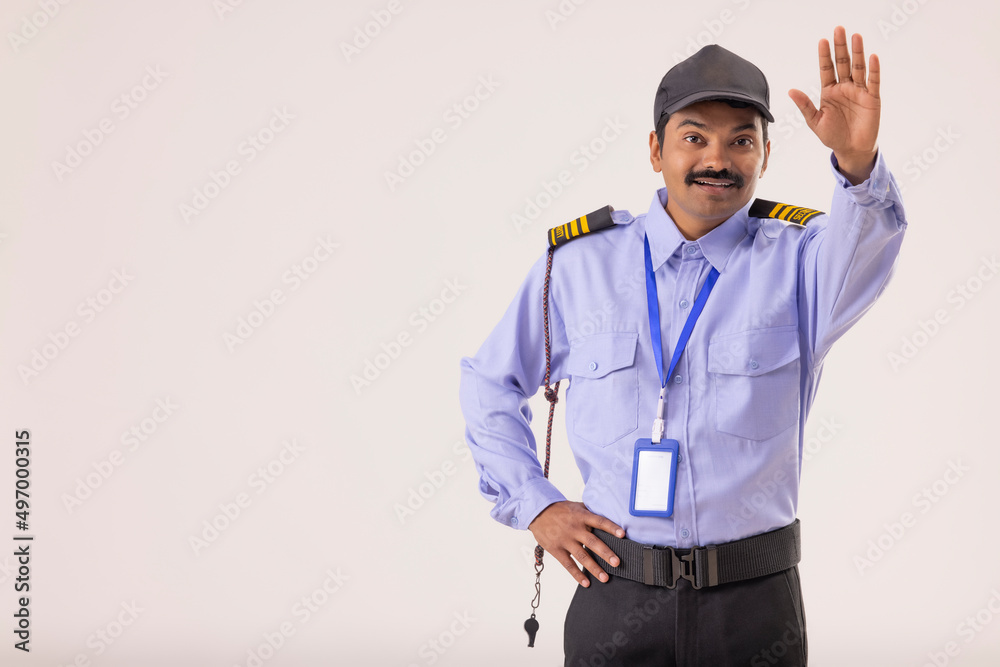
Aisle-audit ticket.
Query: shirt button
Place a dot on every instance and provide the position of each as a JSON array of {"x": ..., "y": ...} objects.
[
  {"x": 677, "y": 379},
  {"x": 754, "y": 365},
  {"x": 685, "y": 533},
  {"x": 513, "y": 521},
  {"x": 680, "y": 457},
  {"x": 593, "y": 365},
  {"x": 691, "y": 250},
  {"x": 684, "y": 303}
]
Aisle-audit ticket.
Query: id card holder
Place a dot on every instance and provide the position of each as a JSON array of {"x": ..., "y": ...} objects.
[{"x": 654, "y": 474}]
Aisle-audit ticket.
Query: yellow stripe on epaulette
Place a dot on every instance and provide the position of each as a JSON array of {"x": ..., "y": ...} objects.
[
  {"x": 763, "y": 208},
  {"x": 585, "y": 224}
]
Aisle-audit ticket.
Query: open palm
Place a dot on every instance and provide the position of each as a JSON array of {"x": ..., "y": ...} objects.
[{"x": 847, "y": 119}]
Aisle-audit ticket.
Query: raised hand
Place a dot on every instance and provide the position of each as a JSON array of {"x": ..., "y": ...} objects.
[{"x": 849, "y": 106}]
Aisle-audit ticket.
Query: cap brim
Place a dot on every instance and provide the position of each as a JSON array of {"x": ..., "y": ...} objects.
[{"x": 705, "y": 95}]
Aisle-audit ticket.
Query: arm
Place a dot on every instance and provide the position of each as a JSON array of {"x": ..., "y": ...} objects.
[
  {"x": 846, "y": 263},
  {"x": 495, "y": 387}
]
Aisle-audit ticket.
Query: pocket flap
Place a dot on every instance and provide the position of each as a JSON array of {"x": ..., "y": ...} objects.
[
  {"x": 754, "y": 352},
  {"x": 597, "y": 355}
]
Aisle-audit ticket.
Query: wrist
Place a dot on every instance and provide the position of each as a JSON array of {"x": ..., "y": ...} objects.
[
  {"x": 856, "y": 167},
  {"x": 532, "y": 525}
]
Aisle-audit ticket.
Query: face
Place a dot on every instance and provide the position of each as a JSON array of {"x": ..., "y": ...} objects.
[{"x": 711, "y": 159}]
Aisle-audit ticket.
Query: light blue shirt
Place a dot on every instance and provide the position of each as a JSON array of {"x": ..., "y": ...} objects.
[{"x": 740, "y": 395}]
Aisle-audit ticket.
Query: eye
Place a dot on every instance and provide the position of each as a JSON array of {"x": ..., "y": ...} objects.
[
  {"x": 692, "y": 139},
  {"x": 744, "y": 141}
]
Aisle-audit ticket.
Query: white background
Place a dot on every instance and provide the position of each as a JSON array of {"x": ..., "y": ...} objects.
[{"x": 406, "y": 578}]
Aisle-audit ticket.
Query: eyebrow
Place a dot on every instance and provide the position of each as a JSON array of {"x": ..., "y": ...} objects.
[
  {"x": 702, "y": 126},
  {"x": 688, "y": 121}
]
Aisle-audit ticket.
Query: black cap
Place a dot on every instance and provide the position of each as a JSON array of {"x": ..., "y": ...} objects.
[{"x": 712, "y": 74}]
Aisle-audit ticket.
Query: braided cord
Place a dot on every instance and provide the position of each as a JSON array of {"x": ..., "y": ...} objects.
[{"x": 552, "y": 396}]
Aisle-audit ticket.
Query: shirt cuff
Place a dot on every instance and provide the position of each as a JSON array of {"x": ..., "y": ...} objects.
[
  {"x": 879, "y": 190},
  {"x": 527, "y": 502}
]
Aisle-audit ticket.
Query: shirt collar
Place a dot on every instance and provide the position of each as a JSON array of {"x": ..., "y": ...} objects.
[{"x": 717, "y": 245}]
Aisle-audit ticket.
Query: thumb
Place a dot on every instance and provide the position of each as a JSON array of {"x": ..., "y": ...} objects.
[{"x": 804, "y": 104}]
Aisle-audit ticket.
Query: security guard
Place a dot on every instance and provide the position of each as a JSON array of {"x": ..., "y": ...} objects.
[{"x": 693, "y": 337}]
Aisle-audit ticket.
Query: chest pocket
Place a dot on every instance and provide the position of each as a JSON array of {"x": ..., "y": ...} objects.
[
  {"x": 756, "y": 375},
  {"x": 603, "y": 396}
]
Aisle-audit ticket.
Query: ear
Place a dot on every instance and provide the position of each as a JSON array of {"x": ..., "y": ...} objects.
[
  {"x": 654, "y": 152},
  {"x": 767, "y": 153}
]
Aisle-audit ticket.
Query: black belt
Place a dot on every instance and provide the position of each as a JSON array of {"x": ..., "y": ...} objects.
[{"x": 713, "y": 565}]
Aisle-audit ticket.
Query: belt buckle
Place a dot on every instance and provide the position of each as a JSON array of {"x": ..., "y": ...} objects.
[{"x": 682, "y": 567}]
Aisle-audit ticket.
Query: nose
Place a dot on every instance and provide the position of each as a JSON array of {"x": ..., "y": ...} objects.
[{"x": 716, "y": 156}]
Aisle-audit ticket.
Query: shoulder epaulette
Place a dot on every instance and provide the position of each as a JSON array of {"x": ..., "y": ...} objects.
[
  {"x": 585, "y": 224},
  {"x": 762, "y": 208}
]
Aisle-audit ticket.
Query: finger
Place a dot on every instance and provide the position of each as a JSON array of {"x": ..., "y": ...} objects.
[
  {"x": 840, "y": 54},
  {"x": 827, "y": 76},
  {"x": 873, "y": 76},
  {"x": 567, "y": 562},
  {"x": 858, "y": 60},
  {"x": 599, "y": 547},
  {"x": 587, "y": 561},
  {"x": 804, "y": 104},
  {"x": 606, "y": 524}
]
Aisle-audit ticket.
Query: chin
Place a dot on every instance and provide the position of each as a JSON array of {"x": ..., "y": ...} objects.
[{"x": 722, "y": 212}]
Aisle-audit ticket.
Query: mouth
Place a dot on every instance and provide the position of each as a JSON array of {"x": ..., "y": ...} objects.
[{"x": 714, "y": 184}]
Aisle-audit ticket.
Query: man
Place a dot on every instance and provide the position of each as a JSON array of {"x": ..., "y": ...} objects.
[{"x": 766, "y": 300}]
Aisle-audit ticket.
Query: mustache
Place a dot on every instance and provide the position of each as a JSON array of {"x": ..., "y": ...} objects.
[{"x": 726, "y": 174}]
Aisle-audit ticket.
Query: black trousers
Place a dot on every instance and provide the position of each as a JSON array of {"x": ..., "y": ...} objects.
[{"x": 758, "y": 623}]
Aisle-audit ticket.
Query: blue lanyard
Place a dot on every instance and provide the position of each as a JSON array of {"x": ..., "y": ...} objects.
[{"x": 654, "y": 331}]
